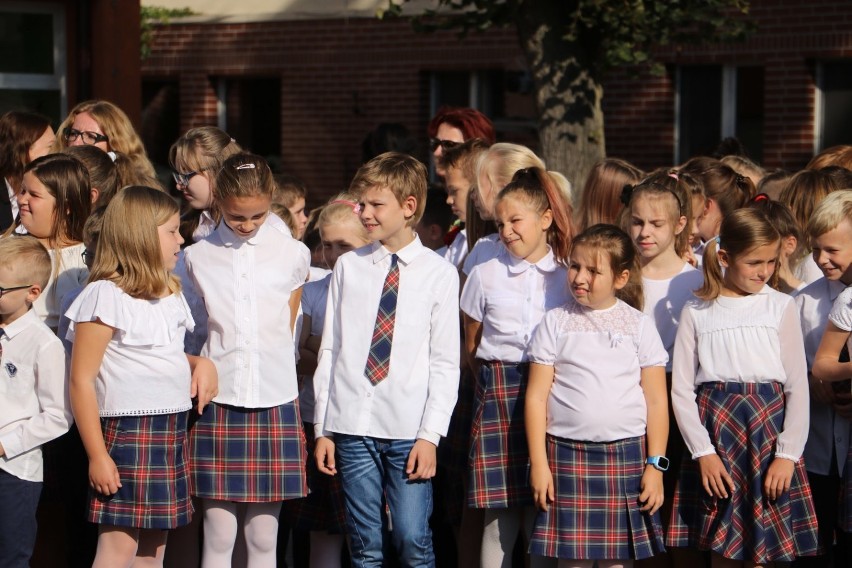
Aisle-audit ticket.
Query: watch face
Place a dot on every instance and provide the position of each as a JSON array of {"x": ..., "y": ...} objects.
[{"x": 663, "y": 463}]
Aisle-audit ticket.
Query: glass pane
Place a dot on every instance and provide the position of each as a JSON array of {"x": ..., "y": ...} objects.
[
  {"x": 837, "y": 104},
  {"x": 750, "y": 110},
  {"x": 26, "y": 42},
  {"x": 700, "y": 110},
  {"x": 453, "y": 89},
  {"x": 44, "y": 102}
]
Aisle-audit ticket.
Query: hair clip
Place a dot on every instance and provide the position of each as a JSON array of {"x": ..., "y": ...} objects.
[
  {"x": 112, "y": 155},
  {"x": 248, "y": 166},
  {"x": 626, "y": 193},
  {"x": 674, "y": 176},
  {"x": 356, "y": 207},
  {"x": 760, "y": 198},
  {"x": 233, "y": 141},
  {"x": 718, "y": 240}
]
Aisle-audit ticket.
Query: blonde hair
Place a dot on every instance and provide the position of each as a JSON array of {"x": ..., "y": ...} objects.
[
  {"x": 805, "y": 191},
  {"x": 601, "y": 198},
  {"x": 343, "y": 208},
  {"x": 831, "y": 211},
  {"x": 244, "y": 175},
  {"x": 402, "y": 174},
  {"x": 128, "y": 251},
  {"x": 27, "y": 258},
  {"x": 202, "y": 149},
  {"x": 742, "y": 231},
  {"x": 499, "y": 163},
  {"x": 616, "y": 244},
  {"x": 103, "y": 173},
  {"x": 284, "y": 214},
  {"x": 121, "y": 136}
]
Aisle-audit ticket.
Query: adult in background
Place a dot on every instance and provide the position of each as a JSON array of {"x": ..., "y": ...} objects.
[
  {"x": 24, "y": 136},
  {"x": 453, "y": 125}
]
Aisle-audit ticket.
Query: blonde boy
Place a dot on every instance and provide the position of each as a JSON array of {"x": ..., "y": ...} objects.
[
  {"x": 388, "y": 369},
  {"x": 34, "y": 407}
]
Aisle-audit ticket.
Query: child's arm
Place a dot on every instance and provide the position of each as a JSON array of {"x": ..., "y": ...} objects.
[
  {"x": 205, "y": 380},
  {"x": 324, "y": 451},
  {"x": 827, "y": 366},
  {"x": 308, "y": 347},
  {"x": 90, "y": 343},
  {"x": 653, "y": 381},
  {"x": 535, "y": 421},
  {"x": 472, "y": 337},
  {"x": 295, "y": 302}
]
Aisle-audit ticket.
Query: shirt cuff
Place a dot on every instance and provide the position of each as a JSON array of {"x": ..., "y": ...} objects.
[
  {"x": 429, "y": 436},
  {"x": 12, "y": 444},
  {"x": 320, "y": 432},
  {"x": 705, "y": 452},
  {"x": 787, "y": 457}
]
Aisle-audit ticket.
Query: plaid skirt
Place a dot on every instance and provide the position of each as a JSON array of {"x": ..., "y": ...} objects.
[
  {"x": 248, "y": 455},
  {"x": 453, "y": 452},
  {"x": 324, "y": 508},
  {"x": 499, "y": 458},
  {"x": 743, "y": 420},
  {"x": 150, "y": 454},
  {"x": 596, "y": 515}
]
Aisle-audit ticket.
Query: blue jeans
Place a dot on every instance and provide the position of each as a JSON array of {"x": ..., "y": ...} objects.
[
  {"x": 373, "y": 473},
  {"x": 18, "y": 504}
]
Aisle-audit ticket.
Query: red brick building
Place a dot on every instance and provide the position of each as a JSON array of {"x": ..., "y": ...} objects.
[{"x": 309, "y": 88}]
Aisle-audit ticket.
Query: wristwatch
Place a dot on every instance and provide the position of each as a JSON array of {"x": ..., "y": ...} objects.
[{"x": 660, "y": 463}]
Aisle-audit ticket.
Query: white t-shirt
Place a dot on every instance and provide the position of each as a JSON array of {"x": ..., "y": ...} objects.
[
  {"x": 598, "y": 357},
  {"x": 485, "y": 249},
  {"x": 68, "y": 272},
  {"x": 510, "y": 296},
  {"x": 749, "y": 339},
  {"x": 144, "y": 370},
  {"x": 664, "y": 300},
  {"x": 314, "y": 299}
]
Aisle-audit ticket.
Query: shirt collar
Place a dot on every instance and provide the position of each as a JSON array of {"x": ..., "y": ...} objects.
[
  {"x": 230, "y": 238},
  {"x": 518, "y": 265},
  {"x": 21, "y": 324},
  {"x": 406, "y": 254}
]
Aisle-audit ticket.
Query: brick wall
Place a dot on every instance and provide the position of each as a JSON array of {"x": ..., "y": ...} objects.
[{"x": 341, "y": 78}]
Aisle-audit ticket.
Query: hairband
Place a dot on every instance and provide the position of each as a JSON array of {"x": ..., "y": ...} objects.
[
  {"x": 356, "y": 208},
  {"x": 760, "y": 198},
  {"x": 718, "y": 240},
  {"x": 112, "y": 155},
  {"x": 674, "y": 176},
  {"x": 248, "y": 166},
  {"x": 627, "y": 192}
]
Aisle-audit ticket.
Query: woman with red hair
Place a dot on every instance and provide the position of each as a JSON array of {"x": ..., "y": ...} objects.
[{"x": 451, "y": 126}]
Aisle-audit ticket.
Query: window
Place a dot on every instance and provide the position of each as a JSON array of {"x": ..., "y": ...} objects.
[
  {"x": 33, "y": 69},
  {"x": 715, "y": 102},
  {"x": 833, "y": 104},
  {"x": 249, "y": 110}
]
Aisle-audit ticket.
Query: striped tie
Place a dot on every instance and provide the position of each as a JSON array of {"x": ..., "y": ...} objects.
[{"x": 378, "y": 361}]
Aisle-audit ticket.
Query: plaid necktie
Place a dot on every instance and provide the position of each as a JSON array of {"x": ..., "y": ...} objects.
[{"x": 378, "y": 361}]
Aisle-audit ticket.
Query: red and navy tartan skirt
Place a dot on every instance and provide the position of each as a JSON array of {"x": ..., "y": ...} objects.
[
  {"x": 499, "y": 458},
  {"x": 595, "y": 515},
  {"x": 249, "y": 455},
  {"x": 324, "y": 508},
  {"x": 150, "y": 455},
  {"x": 743, "y": 420}
]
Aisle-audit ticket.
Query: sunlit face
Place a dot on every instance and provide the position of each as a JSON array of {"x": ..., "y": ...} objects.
[
  {"x": 449, "y": 133},
  {"x": 457, "y": 191},
  {"x": 84, "y": 122},
  {"x": 708, "y": 220},
  {"x": 14, "y": 303},
  {"x": 37, "y": 206},
  {"x": 651, "y": 226},
  {"x": 299, "y": 217},
  {"x": 245, "y": 215},
  {"x": 697, "y": 208},
  {"x": 522, "y": 229},
  {"x": 42, "y": 146},
  {"x": 198, "y": 193},
  {"x": 339, "y": 238},
  {"x": 833, "y": 252},
  {"x": 591, "y": 279},
  {"x": 748, "y": 273},
  {"x": 384, "y": 217},
  {"x": 170, "y": 241}
]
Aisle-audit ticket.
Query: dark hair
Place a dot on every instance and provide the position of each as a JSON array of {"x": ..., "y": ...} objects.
[
  {"x": 834, "y": 156},
  {"x": 471, "y": 122},
  {"x": 244, "y": 175},
  {"x": 804, "y": 191},
  {"x": 19, "y": 130},
  {"x": 103, "y": 174},
  {"x": 600, "y": 201},
  {"x": 538, "y": 189},
  {"x": 67, "y": 181},
  {"x": 622, "y": 255}
]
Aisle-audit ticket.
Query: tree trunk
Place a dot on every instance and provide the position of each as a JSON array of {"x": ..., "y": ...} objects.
[{"x": 568, "y": 95}]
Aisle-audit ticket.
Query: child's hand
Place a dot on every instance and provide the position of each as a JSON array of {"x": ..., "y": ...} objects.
[
  {"x": 422, "y": 461},
  {"x": 2, "y": 451},
  {"x": 778, "y": 478},
  {"x": 821, "y": 391},
  {"x": 205, "y": 382},
  {"x": 652, "y": 490},
  {"x": 714, "y": 476},
  {"x": 103, "y": 475},
  {"x": 689, "y": 257},
  {"x": 324, "y": 455},
  {"x": 541, "y": 480}
]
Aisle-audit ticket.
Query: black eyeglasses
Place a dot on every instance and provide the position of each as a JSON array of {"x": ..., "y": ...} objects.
[
  {"x": 444, "y": 144},
  {"x": 71, "y": 135},
  {"x": 88, "y": 256},
  {"x": 12, "y": 289},
  {"x": 183, "y": 179}
]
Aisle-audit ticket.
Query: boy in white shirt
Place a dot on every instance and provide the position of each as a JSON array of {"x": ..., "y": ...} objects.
[
  {"x": 34, "y": 406},
  {"x": 827, "y": 448},
  {"x": 388, "y": 370}
]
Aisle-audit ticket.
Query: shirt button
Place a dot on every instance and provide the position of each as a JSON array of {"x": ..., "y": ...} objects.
[
  {"x": 369, "y": 394},
  {"x": 245, "y": 275}
]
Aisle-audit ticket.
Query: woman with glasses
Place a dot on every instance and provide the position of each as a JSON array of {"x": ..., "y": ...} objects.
[
  {"x": 103, "y": 125},
  {"x": 24, "y": 136},
  {"x": 451, "y": 126}
]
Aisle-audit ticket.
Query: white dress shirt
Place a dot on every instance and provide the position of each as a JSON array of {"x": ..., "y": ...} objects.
[
  {"x": 598, "y": 357},
  {"x": 417, "y": 398},
  {"x": 749, "y": 339},
  {"x": 314, "y": 299},
  {"x": 68, "y": 273},
  {"x": 34, "y": 403},
  {"x": 664, "y": 300},
  {"x": 239, "y": 290},
  {"x": 483, "y": 250},
  {"x": 828, "y": 430},
  {"x": 509, "y": 296},
  {"x": 456, "y": 252}
]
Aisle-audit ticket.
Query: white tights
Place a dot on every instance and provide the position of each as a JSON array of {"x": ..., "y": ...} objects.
[
  {"x": 129, "y": 547},
  {"x": 220, "y": 533}
]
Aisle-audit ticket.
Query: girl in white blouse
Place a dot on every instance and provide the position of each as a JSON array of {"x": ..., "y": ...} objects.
[
  {"x": 740, "y": 396},
  {"x": 131, "y": 383},
  {"x": 503, "y": 302},
  {"x": 596, "y": 413}
]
